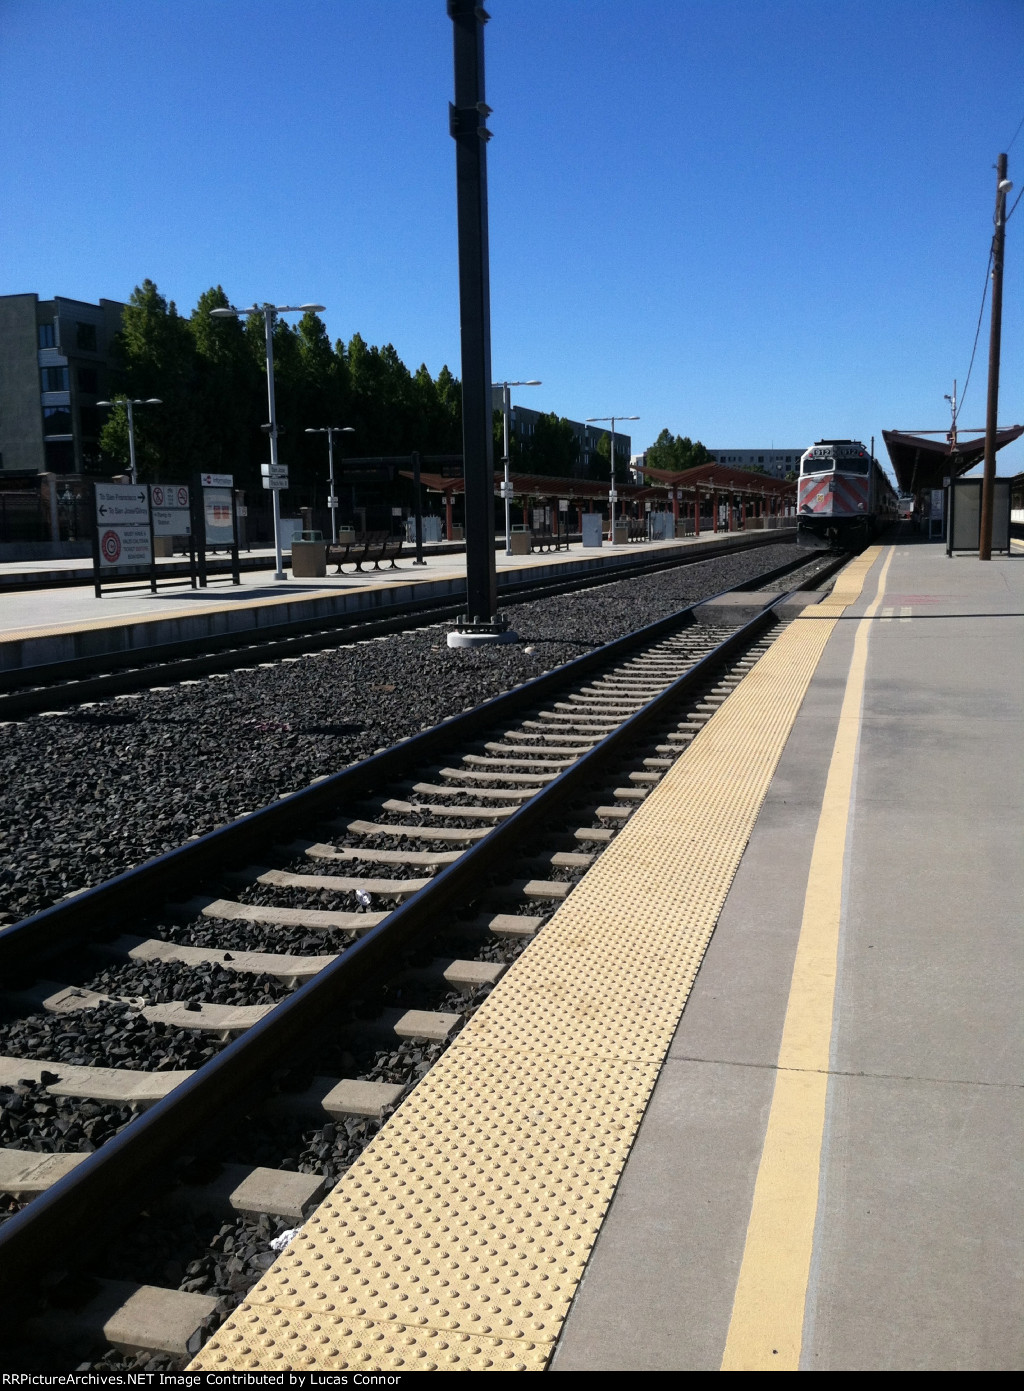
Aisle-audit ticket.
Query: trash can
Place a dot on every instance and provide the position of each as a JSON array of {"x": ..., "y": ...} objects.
[
  {"x": 621, "y": 534},
  {"x": 521, "y": 539},
  {"x": 309, "y": 555}
]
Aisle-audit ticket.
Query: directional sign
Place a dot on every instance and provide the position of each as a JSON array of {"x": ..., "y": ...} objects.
[
  {"x": 217, "y": 480},
  {"x": 124, "y": 545},
  {"x": 122, "y": 504},
  {"x": 274, "y": 471}
]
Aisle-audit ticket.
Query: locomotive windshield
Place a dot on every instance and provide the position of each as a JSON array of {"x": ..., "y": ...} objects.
[{"x": 822, "y": 464}]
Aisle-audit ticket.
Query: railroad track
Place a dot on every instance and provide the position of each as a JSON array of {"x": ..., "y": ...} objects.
[
  {"x": 430, "y": 864},
  {"x": 60, "y": 685}
]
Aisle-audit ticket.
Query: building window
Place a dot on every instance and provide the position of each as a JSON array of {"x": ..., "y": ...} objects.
[
  {"x": 85, "y": 337},
  {"x": 760, "y": 458},
  {"x": 56, "y": 420},
  {"x": 47, "y": 338},
  {"x": 60, "y": 456},
  {"x": 88, "y": 380},
  {"x": 55, "y": 379}
]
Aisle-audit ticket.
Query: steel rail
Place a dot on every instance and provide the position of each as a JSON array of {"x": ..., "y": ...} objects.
[
  {"x": 128, "y": 1166},
  {"x": 25, "y": 944},
  {"x": 227, "y": 651}
]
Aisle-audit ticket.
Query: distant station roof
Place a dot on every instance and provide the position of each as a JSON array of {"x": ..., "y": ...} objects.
[
  {"x": 534, "y": 485},
  {"x": 722, "y": 477},
  {"x": 922, "y": 462}
]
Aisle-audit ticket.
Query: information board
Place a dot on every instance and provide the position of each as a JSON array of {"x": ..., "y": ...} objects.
[{"x": 217, "y": 514}]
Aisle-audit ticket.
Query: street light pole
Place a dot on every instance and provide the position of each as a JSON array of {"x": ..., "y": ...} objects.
[
  {"x": 132, "y": 471},
  {"x": 613, "y": 495},
  {"x": 270, "y": 313},
  {"x": 332, "y": 502},
  {"x": 129, "y": 402},
  {"x": 506, "y": 487}
]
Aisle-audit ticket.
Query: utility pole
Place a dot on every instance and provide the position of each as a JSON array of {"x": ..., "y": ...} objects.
[{"x": 988, "y": 482}]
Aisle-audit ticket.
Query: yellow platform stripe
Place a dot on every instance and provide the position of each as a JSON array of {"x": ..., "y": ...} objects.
[
  {"x": 766, "y": 1327},
  {"x": 458, "y": 1238}
]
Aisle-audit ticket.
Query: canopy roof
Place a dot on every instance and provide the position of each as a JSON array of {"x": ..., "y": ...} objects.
[
  {"x": 722, "y": 477},
  {"x": 534, "y": 485},
  {"x": 922, "y": 462}
]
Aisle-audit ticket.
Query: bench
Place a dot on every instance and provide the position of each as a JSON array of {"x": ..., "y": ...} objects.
[
  {"x": 368, "y": 545},
  {"x": 550, "y": 540}
]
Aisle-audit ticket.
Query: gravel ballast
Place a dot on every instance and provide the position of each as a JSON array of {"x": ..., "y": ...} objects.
[{"x": 100, "y": 789}]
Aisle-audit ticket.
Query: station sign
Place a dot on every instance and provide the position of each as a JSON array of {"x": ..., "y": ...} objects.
[
  {"x": 124, "y": 545},
  {"x": 122, "y": 504},
  {"x": 170, "y": 507},
  {"x": 217, "y": 480},
  {"x": 168, "y": 521},
  {"x": 275, "y": 476}
]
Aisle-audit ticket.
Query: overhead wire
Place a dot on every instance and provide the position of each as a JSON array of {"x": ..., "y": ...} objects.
[{"x": 977, "y": 332}]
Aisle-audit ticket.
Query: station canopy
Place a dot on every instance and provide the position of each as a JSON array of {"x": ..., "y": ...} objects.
[
  {"x": 537, "y": 485},
  {"x": 925, "y": 460},
  {"x": 720, "y": 478}
]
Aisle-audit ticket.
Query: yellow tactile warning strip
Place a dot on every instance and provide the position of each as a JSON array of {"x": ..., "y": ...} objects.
[{"x": 457, "y": 1240}]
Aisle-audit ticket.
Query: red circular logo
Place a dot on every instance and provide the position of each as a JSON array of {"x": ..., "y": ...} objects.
[
  {"x": 182, "y": 497},
  {"x": 110, "y": 545}
]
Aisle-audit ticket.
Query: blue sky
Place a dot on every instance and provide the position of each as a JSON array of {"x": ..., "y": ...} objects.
[{"x": 752, "y": 223}]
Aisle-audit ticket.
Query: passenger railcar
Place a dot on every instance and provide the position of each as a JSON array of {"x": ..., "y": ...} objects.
[{"x": 843, "y": 496}]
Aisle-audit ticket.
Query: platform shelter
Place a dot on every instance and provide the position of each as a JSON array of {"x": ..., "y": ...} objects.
[
  {"x": 928, "y": 458},
  {"x": 751, "y": 497},
  {"x": 584, "y": 494}
]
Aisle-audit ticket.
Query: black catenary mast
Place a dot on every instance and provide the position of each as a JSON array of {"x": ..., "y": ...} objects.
[{"x": 468, "y": 125}]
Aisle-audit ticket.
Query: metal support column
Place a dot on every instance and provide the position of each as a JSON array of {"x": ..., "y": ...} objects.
[{"x": 467, "y": 123}]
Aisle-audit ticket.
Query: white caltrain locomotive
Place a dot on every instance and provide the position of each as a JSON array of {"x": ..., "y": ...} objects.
[{"x": 843, "y": 497}]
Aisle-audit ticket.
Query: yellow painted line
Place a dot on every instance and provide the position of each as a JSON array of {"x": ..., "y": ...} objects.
[
  {"x": 766, "y": 1328},
  {"x": 458, "y": 1238}
]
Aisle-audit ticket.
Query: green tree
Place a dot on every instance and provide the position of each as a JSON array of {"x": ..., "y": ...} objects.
[
  {"x": 229, "y": 387},
  {"x": 157, "y": 358},
  {"x": 676, "y": 452}
]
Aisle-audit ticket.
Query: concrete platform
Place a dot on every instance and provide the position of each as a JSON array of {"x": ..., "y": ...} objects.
[
  {"x": 863, "y": 1211},
  {"x": 41, "y": 626}
]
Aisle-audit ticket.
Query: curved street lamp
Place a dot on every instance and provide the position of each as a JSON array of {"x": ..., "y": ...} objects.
[
  {"x": 270, "y": 313},
  {"x": 130, "y": 402},
  {"x": 332, "y": 502}
]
